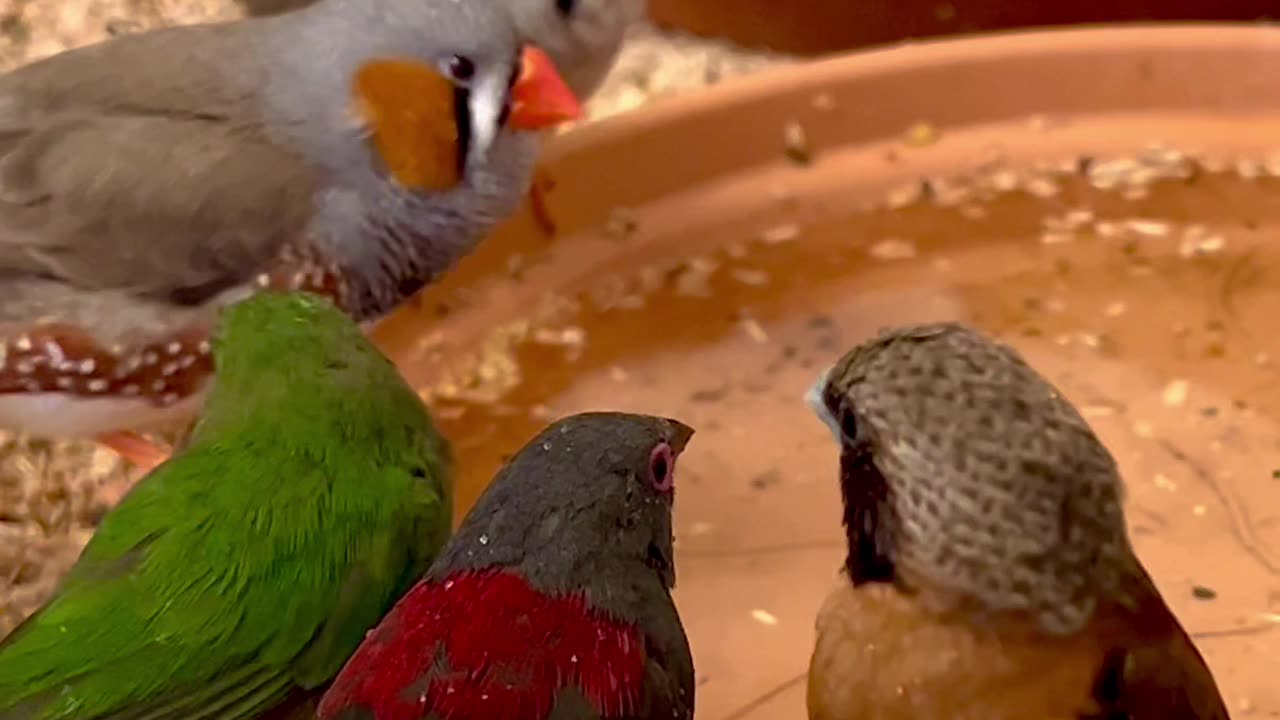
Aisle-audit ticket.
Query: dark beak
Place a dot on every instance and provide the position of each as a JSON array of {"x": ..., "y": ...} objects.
[{"x": 678, "y": 435}]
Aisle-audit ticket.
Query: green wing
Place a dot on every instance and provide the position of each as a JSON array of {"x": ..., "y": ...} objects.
[{"x": 195, "y": 601}]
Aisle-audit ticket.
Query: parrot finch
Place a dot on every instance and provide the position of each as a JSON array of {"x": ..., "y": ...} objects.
[
  {"x": 551, "y": 601},
  {"x": 244, "y": 570},
  {"x": 354, "y": 149},
  {"x": 989, "y": 573}
]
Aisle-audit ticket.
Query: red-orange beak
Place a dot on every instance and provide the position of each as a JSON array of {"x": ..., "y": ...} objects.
[{"x": 540, "y": 98}]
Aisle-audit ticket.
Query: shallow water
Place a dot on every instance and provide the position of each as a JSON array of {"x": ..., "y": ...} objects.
[{"x": 1154, "y": 315}]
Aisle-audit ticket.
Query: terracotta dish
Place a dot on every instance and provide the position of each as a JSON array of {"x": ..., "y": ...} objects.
[
  {"x": 1105, "y": 199},
  {"x": 820, "y": 26}
]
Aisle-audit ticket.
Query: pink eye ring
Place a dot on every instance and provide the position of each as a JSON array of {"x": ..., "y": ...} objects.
[{"x": 662, "y": 468}]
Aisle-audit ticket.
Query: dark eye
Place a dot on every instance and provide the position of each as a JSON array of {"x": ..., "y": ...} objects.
[
  {"x": 848, "y": 423},
  {"x": 566, "y": 7},
  {"x": 461, "y": 69},
  {"x": 662, "y": 468}
]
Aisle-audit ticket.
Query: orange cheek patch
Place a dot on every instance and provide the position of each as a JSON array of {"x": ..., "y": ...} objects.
[{"x": 409, "y": 108}]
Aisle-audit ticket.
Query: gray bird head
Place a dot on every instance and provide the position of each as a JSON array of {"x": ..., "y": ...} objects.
[
  {"x": 585, "y": 505},
  {"x": 472, "y": 43},
  {"x": 582, "y": 36},
  {"x": 966, "y": 477}
]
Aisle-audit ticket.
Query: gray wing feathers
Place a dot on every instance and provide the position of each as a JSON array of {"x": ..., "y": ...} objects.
[{"x": 167, "y": 186}]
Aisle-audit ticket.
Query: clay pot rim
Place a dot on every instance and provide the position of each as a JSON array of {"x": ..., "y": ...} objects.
[
  {"x": 1149, "y": 69},
  {"x": 815, "y": 75}
]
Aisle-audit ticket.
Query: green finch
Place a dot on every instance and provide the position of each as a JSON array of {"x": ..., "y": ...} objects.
[{"x": 239, "y": 575}]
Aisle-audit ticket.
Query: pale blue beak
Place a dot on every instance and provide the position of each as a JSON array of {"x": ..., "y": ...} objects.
[{"x": 814, "y": 399}]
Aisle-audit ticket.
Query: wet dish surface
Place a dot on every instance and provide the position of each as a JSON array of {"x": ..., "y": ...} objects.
[{"x": 715, "y": 253}]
